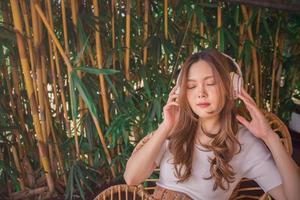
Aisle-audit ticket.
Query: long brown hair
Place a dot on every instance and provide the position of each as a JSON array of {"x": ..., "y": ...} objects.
[{"x": 224, "y": 145}]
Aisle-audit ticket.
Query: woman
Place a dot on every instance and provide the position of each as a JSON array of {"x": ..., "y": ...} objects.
[{"x": 204, "y": 148}]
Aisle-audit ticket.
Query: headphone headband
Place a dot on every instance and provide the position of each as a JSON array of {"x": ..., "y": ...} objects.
[{"x": 234, "y": 63}]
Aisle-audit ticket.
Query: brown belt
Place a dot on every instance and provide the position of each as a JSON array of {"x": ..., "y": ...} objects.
[{"x": 163, "y": 193}]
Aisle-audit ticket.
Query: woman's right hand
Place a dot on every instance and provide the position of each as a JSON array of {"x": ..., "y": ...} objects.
[{"x": 171, "y": 111}]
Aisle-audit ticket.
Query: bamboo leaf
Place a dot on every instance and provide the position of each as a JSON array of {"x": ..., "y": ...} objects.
[
  {"x": 96, "y": 71},
  {"x": 222, "y": 40},
  {"x": 84, "y": 93},
  {"x": 79, "y": 184}
]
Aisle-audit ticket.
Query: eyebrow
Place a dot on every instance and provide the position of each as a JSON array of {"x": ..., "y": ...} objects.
[{"x": 207, "y": 77}]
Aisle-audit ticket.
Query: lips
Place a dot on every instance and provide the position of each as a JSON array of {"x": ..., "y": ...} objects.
[{"x": 203, "y": 105}]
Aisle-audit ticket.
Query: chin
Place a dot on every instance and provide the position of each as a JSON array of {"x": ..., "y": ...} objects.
[{"x": 205, "y": 115}]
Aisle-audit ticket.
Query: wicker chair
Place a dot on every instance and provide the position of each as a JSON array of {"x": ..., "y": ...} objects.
[
  {"x": 123, "y": 192},
  {"x": 246, "y": 189}
]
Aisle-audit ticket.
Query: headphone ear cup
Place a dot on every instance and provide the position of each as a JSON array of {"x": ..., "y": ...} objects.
[{"x": 237, "y": 84}]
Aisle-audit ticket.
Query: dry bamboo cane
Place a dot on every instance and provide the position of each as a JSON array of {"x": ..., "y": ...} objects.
[
  {"x": 37, "y": 60},
  {"x": 30, "y": 93},
  {"x": 280, "y": 60},
  {"x": 274, "y": 67},
  {"x": 100, "y": 65},
  {"x": 138, "y": 8},
  {"x": 15, "y": 77},
  {"x": 194, "y": 24},
  {"x": 58, "y": 70},
  {"x": 257, "y": 43},
  {"x": 100, "y": 62},
  {"x": 127, "y": 43},
  {"x": 219, "y": 24},
  {"x": 202, "y": 34},
  {"x": 74, "y": 11},
  {"x": 241, "y": 42},
  {"x": 53, "y": 78},
  {"x": 15, "y": 132},
  {"x": 145, "y": 37},
  {"x": 113, "y": 34},
  {"x": 18, "y": 166},
  {"x": 30, "y": 45},
  {"x": 69, "y": 68},
  {"x": 18, "y": 110},
  {"x": 65, "y": 30},
  {"x": 24, "y": 11},
  {"x": 254, "y": 57},
  {"x": 55, "y": 141},
  {"x": 166, "y": 34}
]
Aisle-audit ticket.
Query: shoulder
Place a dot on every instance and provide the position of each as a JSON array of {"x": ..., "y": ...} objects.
[
  {"x": 251, "y": 145},
  {"x": 245, "y": 136}
]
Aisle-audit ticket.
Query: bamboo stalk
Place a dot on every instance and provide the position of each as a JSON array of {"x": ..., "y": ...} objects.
[
  {"x": 166, "y": 19},
  {"x": 30, "y": 93},
  {"x": 166, "y": 34},
  {"x": 30, "y": 45},
  {"x": 202, "y": 34},
  {"x": 100, "y": 65},
  {"x": 191, "y": 43},
  {"x": 74, "y": 11},
  {"x": 18, "y": 166},
  {"x": 15, "y": 132},
  {"x": 53, "y": 78},
  {"x": 127, "y": 43},
  {"x": 58, "y": 70},
  {"x": 241, "y": 43},
  {"x": 37, "y": 60},
  {"x": 65, "y": 29},
  {"x": 20, "y": 110},
  {"x": 219, "y": 24},
  {"x": 145, "y": 37},
  {"x": 280, "y": 62},
  {"x": 69, "y": 68},
  {"x": 275, "y": 66},
  {"x": 56, "y": 144},
  {"x": 102, "y": 89},
  {"x": 254, "y": 57},
  {"x": 17, "y": 108},
  {"x": 113, "y": 34}
]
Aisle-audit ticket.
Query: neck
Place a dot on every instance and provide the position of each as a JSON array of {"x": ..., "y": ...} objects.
[{"x": 210, "y": 125}]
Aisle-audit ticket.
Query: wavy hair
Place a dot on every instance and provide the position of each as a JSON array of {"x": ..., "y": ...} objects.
[{"x": 224, "y": 145}]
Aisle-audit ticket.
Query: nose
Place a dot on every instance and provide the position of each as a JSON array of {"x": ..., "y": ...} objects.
[{"x": 202, "y": 92}]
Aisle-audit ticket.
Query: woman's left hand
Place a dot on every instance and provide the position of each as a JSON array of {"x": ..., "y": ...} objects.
[{"x": 258, "y": 126}]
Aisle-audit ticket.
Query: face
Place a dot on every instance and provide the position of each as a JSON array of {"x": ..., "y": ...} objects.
[{"x": 202, "y": 90}]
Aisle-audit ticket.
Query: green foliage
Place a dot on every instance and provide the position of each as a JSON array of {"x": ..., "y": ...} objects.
[{"x": 135, "y": 106}]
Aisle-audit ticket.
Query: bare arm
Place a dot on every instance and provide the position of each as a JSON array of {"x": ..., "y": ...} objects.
[
  {"x": 288, "y": 169},
  {"x": 141, "y": 163}
]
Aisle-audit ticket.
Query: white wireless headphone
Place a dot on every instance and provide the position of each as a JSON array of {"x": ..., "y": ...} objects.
[{"x": 235, "y": 78}]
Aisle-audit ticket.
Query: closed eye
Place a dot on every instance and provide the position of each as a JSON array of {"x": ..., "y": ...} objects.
[{"x": 209, "y": 84}]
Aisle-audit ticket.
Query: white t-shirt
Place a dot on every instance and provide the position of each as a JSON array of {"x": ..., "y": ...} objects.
[{"x": 254, "y": 161}]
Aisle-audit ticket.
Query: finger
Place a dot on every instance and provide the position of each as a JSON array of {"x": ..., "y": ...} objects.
[
  {"x": 244, "y": 99},
  {"x": 172, "y": 97},
  {"x": 243, "y": 121},
  {"x": 246, "y": 95},
  {"x": 173, "y": 103},
  {"x": 250, "y": 107}
]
